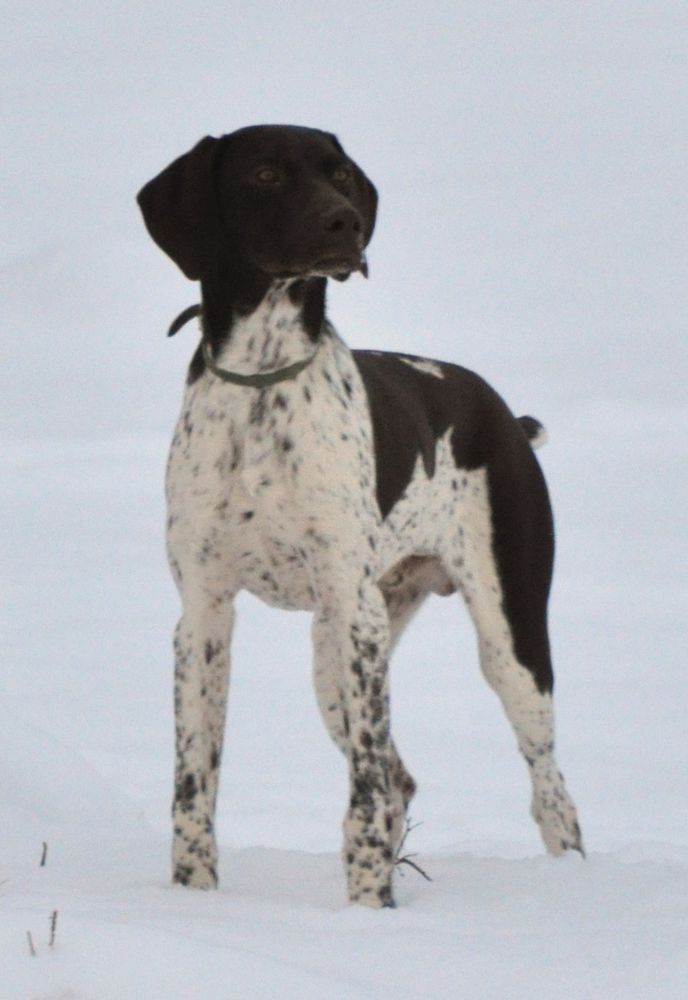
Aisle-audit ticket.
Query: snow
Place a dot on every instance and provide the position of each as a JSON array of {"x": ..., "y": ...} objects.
[{"x": 530, "y": 159}]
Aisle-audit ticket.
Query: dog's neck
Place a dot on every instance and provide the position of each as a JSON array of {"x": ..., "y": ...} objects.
[{"x": 261, "y": 326}]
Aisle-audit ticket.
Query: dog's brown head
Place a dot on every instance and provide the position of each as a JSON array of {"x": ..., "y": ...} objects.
[{"x": 282, "y": 200}]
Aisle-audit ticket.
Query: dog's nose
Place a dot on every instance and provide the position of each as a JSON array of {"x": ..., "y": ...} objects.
[{"x": 345, "y": 221}]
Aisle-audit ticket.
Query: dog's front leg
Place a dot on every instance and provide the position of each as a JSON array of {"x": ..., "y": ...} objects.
[
  {"x": 360, "y": 640},
  {"x": 327, "y": 676},
  {"x": 201, "y": 645}
]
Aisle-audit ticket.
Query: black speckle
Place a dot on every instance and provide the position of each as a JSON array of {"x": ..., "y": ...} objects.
[
  {"x": 257, "y": 414},
  {"x": 357, "y": 669},
  {"x": 183, "y": 874},
  {"x": 186, "y": 790}
]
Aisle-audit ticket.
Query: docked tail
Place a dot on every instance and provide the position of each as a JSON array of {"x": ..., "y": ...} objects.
[{"x": 534, "y": 431}]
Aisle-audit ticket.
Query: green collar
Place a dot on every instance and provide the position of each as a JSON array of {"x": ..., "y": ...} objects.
[{"x": 260, "y": 379}]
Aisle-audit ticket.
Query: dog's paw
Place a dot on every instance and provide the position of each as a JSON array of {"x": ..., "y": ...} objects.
[
  {"x": 194, "y": 861},
  {"x": 376, "y": 897},
  {"x": 555, "y": 814},
  {"x": 194, "y": 875},
  {"x": 368, "y": 861}
]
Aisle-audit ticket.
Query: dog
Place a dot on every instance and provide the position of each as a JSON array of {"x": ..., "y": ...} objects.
[{"x": 348, "y": 483}]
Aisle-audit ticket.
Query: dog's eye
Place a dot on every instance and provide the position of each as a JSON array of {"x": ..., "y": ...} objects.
[
  {"x": 341, "y": 174},
  {"x": 266, "y": 175}
]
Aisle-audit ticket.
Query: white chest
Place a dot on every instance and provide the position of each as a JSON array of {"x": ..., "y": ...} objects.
[{"x": 254, "y": 472}]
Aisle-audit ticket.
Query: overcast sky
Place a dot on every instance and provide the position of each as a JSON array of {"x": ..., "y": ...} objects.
[{"x": 530, "y": 159}]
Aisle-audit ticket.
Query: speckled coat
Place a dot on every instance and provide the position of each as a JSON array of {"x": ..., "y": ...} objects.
[{"x": 353, "y": 490}]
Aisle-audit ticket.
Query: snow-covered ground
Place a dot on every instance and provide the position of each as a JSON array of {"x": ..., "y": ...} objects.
[{"x": 530, "y": 159}]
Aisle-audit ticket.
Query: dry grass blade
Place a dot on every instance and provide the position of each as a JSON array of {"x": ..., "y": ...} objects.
[{"x": 406, "y": 859}]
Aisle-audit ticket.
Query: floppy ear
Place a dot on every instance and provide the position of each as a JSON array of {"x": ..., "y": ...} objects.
[{"x": 180, "y": 210}]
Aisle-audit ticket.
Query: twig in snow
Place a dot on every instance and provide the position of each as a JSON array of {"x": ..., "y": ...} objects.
[
  {"x": 44, "y": 855},
  {"x": 30, "y": 940},
  {"x": 405, "y": 859},
  {"x": 53, "y": 928}
]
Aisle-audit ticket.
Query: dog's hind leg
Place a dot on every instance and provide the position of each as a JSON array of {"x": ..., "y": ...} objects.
[
  {"x": 405, "y": 587},
  {"x": 501, "y": 562}
]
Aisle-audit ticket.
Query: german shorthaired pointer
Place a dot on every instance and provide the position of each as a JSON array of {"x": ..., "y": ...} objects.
[{"x": 349, "y": 483}]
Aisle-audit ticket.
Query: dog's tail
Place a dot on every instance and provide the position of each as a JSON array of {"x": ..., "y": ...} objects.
[{"x": 534, "y": 431}]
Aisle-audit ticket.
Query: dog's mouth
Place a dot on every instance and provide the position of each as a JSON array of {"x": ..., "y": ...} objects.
[
  {"x": 340, "y": 266},
  {"x": 335, "y": 265}
]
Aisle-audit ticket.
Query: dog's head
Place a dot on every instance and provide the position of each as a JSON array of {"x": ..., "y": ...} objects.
[{"x": 281, "y": 199}]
